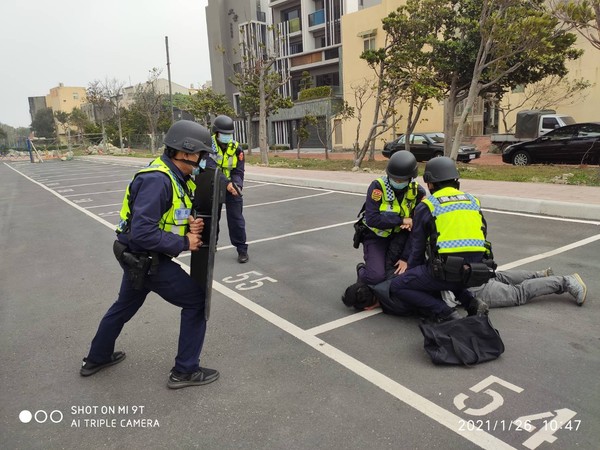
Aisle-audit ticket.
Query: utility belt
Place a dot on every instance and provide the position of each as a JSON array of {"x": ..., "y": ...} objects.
[
  {"x": 455, "y": 269},
  {"x": 136, "y": 264}
]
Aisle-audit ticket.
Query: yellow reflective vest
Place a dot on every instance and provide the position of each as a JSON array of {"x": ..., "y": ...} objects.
[
  {"x": 458, "y": 221},
  {"x": 389, "y": 202},
  {"x": 175, "y": 220},
  {"x": 226, "y": 160}
]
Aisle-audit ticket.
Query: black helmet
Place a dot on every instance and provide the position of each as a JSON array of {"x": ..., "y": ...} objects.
[
  {"x": 359, "y": 295},
  {"x": 223, "y": 124},
  {"x": 189, "y": 137},
  {"x": 440, "y": 169},
  {"x": 402, "y": 165}
]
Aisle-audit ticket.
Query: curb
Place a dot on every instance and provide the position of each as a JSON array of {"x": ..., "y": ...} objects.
[{"x": 524, "y": 205}]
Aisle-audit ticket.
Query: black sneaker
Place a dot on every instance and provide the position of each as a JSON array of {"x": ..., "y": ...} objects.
[
  {"x": 89, "y": 368},
  {"x": 178, "y": 380},
  {"x": 243, "y": 258}
]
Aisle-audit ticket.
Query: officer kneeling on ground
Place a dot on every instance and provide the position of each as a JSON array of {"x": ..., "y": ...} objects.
[{"x": 156, "y": 225}]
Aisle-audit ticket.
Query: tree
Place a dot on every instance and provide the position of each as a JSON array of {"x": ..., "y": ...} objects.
[
  {"x": 340, "y": 111},
  {"x": 149, "y": 103},
  {"x": 551, "y": 92},
  {"x": 79, "y": 120},
  {"x": 64, "y": 119},
  {"x": 43, "y": 123},
  {"x": 259, "y": 82},
  {"x": 410, "y": 57},
  {"x": 302, "y": 132},
  {"x": 583, "y": 15},
  {"x": 206, "y": 103},
  {"x": 504, "y": 43},
  {"x": 96, "y": 96},
  {"x": 113, "y": 90}
]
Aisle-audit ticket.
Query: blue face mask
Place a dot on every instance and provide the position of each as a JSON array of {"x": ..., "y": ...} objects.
[
  {"x": 201, "y": 166},
  {"x": 397, "y": 185},
  {"x": 225, "y": 138}
]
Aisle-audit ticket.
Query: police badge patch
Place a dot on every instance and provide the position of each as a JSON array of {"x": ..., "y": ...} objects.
[{"x": 376, "y": 195}]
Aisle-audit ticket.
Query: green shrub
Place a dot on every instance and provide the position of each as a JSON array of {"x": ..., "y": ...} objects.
[{"x": 315, "y": 92}]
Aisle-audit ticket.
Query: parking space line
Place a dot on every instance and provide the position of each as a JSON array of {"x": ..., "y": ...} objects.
[
  {"x": 288, "y": 199},
  {"x": 105, "y": 206},
  {"x": 537, "y": 216},
  {"x": 94, "y": 184},
  {"x": 94, "y": 193},
  {"x": 342, "y": 321}
]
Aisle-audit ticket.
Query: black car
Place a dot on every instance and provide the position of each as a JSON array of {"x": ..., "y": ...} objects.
[
  {"x": 572, "y": 144},
  {"x": 428, "y": 145}
]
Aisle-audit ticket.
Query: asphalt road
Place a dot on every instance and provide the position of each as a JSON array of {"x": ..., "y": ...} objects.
[{"x": 298, "y": 369}]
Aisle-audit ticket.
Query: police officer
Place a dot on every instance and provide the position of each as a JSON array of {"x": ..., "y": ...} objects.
[
  {"x": 229, "y": 158},
  {"x": 450, "y": 228},
  {"x": 156, "y": 225},
  {"x": 389, "y": 208}
]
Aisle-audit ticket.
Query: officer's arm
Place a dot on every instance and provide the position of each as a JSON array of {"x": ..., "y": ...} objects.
[
  {"x": 237, "y": 173},
  {"x": 418, "y": 238},
  {"x": 153, "y": 197}
]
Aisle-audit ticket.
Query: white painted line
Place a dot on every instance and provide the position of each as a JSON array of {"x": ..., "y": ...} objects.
[
  {"x": 99, "y": 182},
  {"x": 95, "y": 193},
  {"x": 536, "y": 216},
  {"x": 343, "y": 321},
  {"x": 295, "y": 233},
  {"x": 106, "y": 175},
  {"x": 557, "y": 251},
  {"x": 103, "y": 206},
  {"x": 288, "y": 199}
]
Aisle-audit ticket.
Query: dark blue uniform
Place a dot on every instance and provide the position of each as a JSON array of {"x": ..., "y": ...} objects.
[
  {"x": 151, "y": 195},
  {"x": 417, "y": 289},
  {"x": 234, "y": 204},
  {"x": 375, "y": 247}
]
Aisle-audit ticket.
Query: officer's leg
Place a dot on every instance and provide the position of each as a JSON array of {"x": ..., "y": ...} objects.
[
  {"x": 173, "y": 284},
  {"x": 416, "y": 287},
  {"x": 127, "y": 304},
  {"x": 373, "y": 271},
  {"x": 236, "y": 223}
]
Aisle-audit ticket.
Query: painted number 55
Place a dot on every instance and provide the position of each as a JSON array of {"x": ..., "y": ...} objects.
[{"x": 248, "y": 280}]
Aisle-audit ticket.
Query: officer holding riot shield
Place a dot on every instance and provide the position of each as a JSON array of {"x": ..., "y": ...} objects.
[{"x": 157, "y": 224}]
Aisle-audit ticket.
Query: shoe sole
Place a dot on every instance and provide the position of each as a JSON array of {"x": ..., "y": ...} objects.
[
  {"x": 88, "y": 372},
  {"x": 578, "y": 278},
  {"x": 183, "y": 384}
]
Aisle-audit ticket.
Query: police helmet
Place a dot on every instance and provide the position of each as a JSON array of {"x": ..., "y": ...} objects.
[
  {"x": 222, "y": 124},
  {"x": 189, "y": 137},
  {"x": 440, "y": 169},
  {"x": 359, "y": 296},
  {"x": 402, "y": 166}
]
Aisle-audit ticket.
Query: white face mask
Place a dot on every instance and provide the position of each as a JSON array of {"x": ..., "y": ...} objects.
[
  {"x": 397, "y": 185},
  {"x": 201, "y": 166},
  {"x": 225, "y": 138}
]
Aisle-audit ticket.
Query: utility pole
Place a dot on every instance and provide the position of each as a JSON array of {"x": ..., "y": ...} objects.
[{"x": 169, "y": 75}]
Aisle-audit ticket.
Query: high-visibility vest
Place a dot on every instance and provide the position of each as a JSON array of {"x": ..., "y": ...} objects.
[
  {"x": 170, "y": 221},
  {"x": 227, "y": 161},
  {"x": 458, "y": 222},
  {"x": 389, "y": 202}
]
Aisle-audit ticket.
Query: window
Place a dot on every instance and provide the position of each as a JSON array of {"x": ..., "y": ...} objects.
[
  {"x": 549, "y": 123},
  {"x": 589, "y": 130},
  {"x": 369, "y": 43},
  {"x": 563, "y": 133},
  {"x": 75, "y": 95},
  {"x": 418, "y": 139}
]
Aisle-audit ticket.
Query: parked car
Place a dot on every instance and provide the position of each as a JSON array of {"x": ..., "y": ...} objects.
[
  {"x": 572, "y": 144},
  {"x": 429, "y": 145}
]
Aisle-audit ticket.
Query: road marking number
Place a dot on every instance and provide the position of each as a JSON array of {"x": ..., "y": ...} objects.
[{"x": 246, "y": 281}]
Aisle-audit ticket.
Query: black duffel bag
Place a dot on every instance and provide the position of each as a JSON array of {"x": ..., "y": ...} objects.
[{"x": 470, "y": 340}]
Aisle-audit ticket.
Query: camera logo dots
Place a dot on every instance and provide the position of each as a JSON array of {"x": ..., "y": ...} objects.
[{"x": 41, "y": 416}]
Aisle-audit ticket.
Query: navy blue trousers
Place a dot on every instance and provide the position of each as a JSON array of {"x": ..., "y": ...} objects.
[
  {"x": 374, "y": 251},
  {"x": 174, "y": 285},
  {"x": 418, "y": 289},
  {"x": 235, "y": 222}
]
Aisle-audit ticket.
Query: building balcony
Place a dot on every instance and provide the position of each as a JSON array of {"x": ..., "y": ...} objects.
[
  {"x": 294, "y": 25},
  {"x": 317, "y": 18}
]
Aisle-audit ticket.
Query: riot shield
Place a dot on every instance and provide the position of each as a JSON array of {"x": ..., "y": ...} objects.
[{"x": 208, "y": 198}]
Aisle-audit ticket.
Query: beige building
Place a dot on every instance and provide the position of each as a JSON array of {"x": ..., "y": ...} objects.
[
  {"x": 65, "y": 99},
  {"x": 161, "y": 86},
  {"x": 363, "y": 30}
]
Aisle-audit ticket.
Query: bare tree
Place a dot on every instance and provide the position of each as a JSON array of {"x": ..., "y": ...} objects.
[
  {"x": 113, "y": 89},
  {"x": 551, "y": 92},
  {"x": 149, "y": 102}
]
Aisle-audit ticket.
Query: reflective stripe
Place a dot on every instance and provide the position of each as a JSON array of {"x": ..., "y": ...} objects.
[
  {"x": 226, "y": 164},
  {"x": 389, "y": 202},
  {"x": 168, "y": 222},
  {"x": 458, "y": 221}
]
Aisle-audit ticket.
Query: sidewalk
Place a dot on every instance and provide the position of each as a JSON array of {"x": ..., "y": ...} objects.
[
  {"x": 580, "y": 202},
  {"x": 577, "y": 202}
]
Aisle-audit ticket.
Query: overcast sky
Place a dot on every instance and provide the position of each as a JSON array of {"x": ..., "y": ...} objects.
[{"x": 74, "y": 42}]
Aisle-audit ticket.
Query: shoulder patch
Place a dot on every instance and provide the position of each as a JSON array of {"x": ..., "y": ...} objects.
[{"x": 376, "y": 194}]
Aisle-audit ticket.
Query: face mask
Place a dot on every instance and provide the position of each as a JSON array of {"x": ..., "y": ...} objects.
[
  {"x": 225, "y": 138},
  {"x": 201, "y": 166},
  {"x": 397, "y": 185}
]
